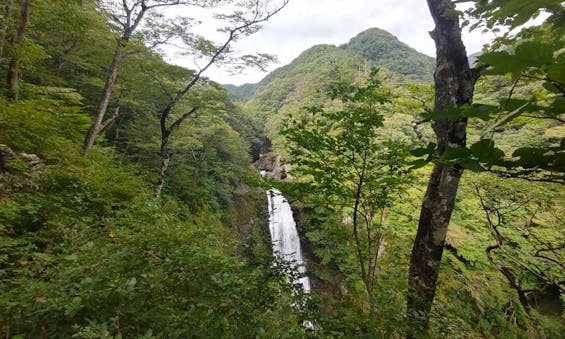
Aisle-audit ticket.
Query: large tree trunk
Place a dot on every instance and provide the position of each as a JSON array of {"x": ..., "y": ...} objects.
[
  {"x": 454, "y": 86},
  {"x": 106, "y": 95},
  {"x": 5, "y": 24},
  {"x": 14, "y": 68}
]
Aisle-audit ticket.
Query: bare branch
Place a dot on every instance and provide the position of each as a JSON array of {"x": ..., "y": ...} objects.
[
  {"x": 424, "y": 139},
  {"x": 232, "y": 35},
  {"x": 110, "y": 120},
  {"x": 105, "y": 124},
  {"x": 179, "y": 121}
]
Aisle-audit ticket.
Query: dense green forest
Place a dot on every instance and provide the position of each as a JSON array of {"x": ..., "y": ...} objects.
[{"x": 131, "y": 204}]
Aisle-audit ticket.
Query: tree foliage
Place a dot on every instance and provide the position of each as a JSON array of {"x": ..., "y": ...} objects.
[
  {"x": 347, "y": 164},
  {"x": 86, "y": 251}
]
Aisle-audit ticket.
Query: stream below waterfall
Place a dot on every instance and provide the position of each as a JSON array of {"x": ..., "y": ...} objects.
[{"x": 284, "y": 236}]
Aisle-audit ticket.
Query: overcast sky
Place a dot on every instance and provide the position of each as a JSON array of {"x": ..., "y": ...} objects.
[{"x": 305, "y": 23}]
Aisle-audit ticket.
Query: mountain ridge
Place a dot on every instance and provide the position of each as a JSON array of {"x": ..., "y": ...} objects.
[
  {"x": 375, "y": 46},
  {"x": 387, "y": 51}
]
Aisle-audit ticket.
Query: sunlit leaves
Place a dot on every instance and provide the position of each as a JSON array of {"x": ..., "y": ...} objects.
[
  {"x": 526, "y": 55},
  {"x": 512, "y": 13},
  {"x": 344, "y": 162}
]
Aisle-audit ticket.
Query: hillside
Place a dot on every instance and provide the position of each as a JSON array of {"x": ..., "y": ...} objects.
[
  {"x": 386, "y": 51},
  {"x": 284, "y": 100},
  {"x": 291, "y": 87},
  {"x": 140, "y": 199},
  {"x": 301, "y": 83},
  {"x": 242, "y": 92},
  {"x": 373, "y": 47}
]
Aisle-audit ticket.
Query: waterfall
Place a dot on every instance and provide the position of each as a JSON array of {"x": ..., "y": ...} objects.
[{"x": 284, "y": 236}]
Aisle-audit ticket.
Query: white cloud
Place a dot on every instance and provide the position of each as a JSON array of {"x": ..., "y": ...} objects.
[{"x": 304, "y": 23}]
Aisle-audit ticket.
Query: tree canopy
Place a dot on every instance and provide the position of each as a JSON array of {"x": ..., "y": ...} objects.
[{"x": 98, "y": 245}]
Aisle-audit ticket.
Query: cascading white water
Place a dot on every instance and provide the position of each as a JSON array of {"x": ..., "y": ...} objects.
[{"x": 284, "y": 236}]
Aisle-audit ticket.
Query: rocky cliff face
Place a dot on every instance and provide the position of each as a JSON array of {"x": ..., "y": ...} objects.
[
  {"x": 18, "y": 171},
  {"x": 274, "y": 167}
]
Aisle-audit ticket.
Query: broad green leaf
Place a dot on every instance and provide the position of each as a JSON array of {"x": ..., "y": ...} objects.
[
  {"x": 520, "y": 11},
  {"x": 421, "y": 151},
  {"x": 452, "y": 153},
  {"x": 557, "y": 107},
  {"x": 418, "y": 163},
  {"x": 452, "y": 114},
  {"x": 480, "y": 111},
  {"x": 528, "y": 54},
  {"x": 508, "y": 117},
  {"x": 470, "y": 164},
  {"x": 501, "y": 63},
  {"x": 534, "y": 53},
  {"x": 529, "y": 156},
  {"x": 558, "y": 162},
  {"x": 485, "y": 151},
  {"x": 551, "y": 87},
  {"x": 557, "y": 71}
]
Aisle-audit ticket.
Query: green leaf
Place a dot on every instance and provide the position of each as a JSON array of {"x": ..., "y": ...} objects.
[
  {"x": 421, "y": 151},
  {"x": 551, "y": 87},
  {"x": 501, "y": 63},
  {"x": 557, "y": 71},
  {"x": 557, "y": 107},
  {"x": 508, "y": 117},
  {"x": 534, "y": 53},
  {"x": 471, "y": 164},
  {"x": 528, "y": 54},
  {"x": 529, "y": 156},
  {"x": 485, "y": 151},
  {"x": 480, "y": 111},
  {"x": 452, "y": 114},
  {"x": 452, "y": 153},
  {"x": 418, "y": 163}
]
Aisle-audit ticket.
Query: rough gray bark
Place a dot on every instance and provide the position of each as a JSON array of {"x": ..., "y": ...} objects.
[
  {"x": 14, "y": 68},
  {"x": 5, "y": 24},
  {"x": 454, "y": 86}
]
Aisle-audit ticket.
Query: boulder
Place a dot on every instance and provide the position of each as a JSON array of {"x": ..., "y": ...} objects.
[{"x": 272, "y": 166}]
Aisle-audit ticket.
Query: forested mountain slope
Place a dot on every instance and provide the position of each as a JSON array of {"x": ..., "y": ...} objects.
[
  {"x": 386, "y": 51},
  {"x": 305, "y": 91},
  {"x": 373, "y": 47},
  {"x": 88, "y": 250}
]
